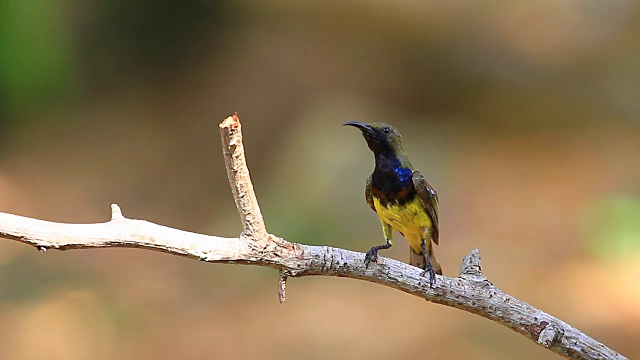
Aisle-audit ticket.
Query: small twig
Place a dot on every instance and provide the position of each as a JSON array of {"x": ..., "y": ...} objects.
[
  {"x": 239, "y": 179},
  {"x": 471, "y": 292},
  {"x": 282, "y": 286}
]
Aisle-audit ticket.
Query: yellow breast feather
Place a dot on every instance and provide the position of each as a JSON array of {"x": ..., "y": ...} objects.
[{"x": 410, "y": 219}]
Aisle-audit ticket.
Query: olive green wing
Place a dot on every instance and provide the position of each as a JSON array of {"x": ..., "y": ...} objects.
[
  {"x": 368, "y": 195},
  {"x": 429, "y": 198}
]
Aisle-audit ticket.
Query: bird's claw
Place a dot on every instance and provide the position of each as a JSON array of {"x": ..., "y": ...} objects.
[
  {"x": 372, "y": 256},
  {"x": 432, "y": 275}
]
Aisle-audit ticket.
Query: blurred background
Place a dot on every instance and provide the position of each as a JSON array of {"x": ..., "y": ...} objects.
[{"x": 524, "y": 115}]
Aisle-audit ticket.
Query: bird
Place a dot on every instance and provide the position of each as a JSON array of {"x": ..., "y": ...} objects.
[{"x": 402, "y": 197}]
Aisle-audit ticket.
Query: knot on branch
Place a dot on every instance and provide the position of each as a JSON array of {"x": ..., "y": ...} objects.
[
  {"x": 549, "y": 335},
  {"x": 471, "y": 268}
]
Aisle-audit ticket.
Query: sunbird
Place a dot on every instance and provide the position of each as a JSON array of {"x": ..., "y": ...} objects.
[{"x": 402, "y": 197}]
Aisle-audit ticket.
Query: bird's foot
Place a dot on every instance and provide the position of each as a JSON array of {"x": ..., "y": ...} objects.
[
  {"x": 432, "y": 275},
  {"x": 372, "y": 256}
]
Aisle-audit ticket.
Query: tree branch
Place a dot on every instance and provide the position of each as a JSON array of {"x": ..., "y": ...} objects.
[{"x": 471, "y": 291}]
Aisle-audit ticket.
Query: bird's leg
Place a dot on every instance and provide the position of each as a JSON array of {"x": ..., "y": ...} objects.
[
  {"x": 372, "y": 254},
  {"x": 428, "y": 268}
]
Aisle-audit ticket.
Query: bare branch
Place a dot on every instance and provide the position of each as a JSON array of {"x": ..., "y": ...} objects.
[{"x": 471, "y": 291}]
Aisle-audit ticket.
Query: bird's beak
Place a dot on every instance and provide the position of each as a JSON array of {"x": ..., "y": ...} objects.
[{"x": 366, "y": 129}]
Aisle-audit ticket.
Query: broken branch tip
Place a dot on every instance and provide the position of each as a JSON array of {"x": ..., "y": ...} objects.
[
  {"x": 116, "y": 213},
  {"x": 231, "y": 122}
]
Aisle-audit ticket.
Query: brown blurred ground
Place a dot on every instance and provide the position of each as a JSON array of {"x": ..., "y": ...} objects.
[{"x": 523, "y": 115}]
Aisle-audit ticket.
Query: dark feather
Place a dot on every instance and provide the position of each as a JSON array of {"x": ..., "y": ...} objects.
[
  {"x": 429, "y": 198},
  {"x": 368, "y": 195}
]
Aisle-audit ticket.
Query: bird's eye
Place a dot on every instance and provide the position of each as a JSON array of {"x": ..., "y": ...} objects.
[{"x": 386, "y": 130}]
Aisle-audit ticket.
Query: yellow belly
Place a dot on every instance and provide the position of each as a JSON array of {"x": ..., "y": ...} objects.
[{"x": 410, "y": 219}]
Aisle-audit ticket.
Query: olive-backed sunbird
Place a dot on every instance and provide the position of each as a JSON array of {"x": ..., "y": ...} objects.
[{"x": 402, "y": 197}]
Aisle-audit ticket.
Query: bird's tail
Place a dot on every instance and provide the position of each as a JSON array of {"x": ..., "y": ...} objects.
[{"x": 417, "y": 259}]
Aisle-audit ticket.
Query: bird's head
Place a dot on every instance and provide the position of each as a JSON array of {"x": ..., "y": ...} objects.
[{"x": 381, "y": 137}]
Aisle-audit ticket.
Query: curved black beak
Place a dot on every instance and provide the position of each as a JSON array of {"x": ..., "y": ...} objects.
[
  {"x": 368, "y": 133},
  {"x": 363, "y": 127}
]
